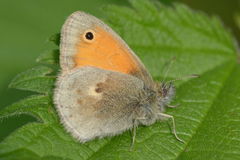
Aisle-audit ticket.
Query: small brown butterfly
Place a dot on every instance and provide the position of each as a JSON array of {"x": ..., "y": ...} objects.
[{"x": 103, "y": 88}]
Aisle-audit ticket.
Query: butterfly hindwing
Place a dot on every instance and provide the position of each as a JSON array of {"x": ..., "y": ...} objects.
[{"x": 94, "y": 103}]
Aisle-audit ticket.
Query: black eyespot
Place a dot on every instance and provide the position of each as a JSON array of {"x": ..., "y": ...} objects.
[{"x": 89, "y": 36}]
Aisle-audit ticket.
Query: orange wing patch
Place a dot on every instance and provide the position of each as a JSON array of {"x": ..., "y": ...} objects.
[{"x": 104, "y": 51}]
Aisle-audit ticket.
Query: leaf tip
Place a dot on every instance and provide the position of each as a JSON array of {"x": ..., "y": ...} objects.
[{"x": 55, "y": 39}]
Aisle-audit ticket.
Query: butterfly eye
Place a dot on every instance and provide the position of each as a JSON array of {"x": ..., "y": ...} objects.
[{"x": 89, "y": 36}]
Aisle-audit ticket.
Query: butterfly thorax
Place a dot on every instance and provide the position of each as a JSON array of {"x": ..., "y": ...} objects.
[{"x": 153, "y": 101}]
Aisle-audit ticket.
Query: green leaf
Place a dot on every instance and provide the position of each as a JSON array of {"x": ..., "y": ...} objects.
[
  {"x": 55, "y": 38},
  {"x": 35, "y": 79},
  {"x": 37, "y": 105},
  {"x": 208, "y": 115},
  {"x": 50, "y": 57}
]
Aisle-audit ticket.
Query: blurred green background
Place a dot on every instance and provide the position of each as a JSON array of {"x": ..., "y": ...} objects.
[{"x": 26, "y": 25}]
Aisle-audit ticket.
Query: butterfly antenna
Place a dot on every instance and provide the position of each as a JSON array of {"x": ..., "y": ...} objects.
[
  {"x": 185, "y": 77},
  {"x": 169, "y": 65}
]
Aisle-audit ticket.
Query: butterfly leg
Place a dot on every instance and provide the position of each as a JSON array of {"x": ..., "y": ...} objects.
[
  {"x": 172, "y": 106},
  {"x": 134, "y": 130},
  {"x": 133, "y": 135},
  {"x": 174, "y": 125}
]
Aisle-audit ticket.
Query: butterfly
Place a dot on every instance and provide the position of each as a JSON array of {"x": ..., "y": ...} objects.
[{"x": 103, "y": 88}]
